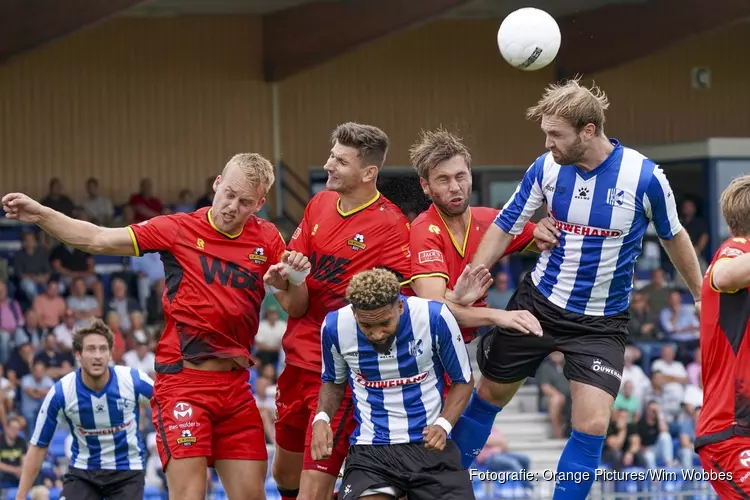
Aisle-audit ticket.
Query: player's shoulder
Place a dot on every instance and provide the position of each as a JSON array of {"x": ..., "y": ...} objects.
[
  {"x": 388, "y": 210},
  {"x": 323, "y": 199},
  {"x": 125, "y": 372},
  {"x": 420, "y": 305},
  {"x": 429, "y": 221},
  {"x": 732, "y": 247},
  {"x": 484, "y": 214},
  {"x": 337, "y": 317},
  {"x": 267, "y": 228}
]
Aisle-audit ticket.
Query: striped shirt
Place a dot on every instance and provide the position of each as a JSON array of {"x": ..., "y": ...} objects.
[
  {"x": 399, "y": 393},
  {"x": 602, "y": 216},
  {"x": 104, "y": 424}
]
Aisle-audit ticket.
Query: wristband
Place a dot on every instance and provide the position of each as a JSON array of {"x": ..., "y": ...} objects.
[
  {"x": 296, "y": 277},
  {"x": 322, "y": 416},
  {"x": 447, "y": 427}
]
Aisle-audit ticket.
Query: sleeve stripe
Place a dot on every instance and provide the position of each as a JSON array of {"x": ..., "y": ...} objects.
[
  {"x": 430, "y": 275},
  {"x": 711, "y": 277},
  {"x": 134, "y": 240}
]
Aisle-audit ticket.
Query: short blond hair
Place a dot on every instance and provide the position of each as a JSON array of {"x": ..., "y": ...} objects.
[
  {"x": 257, "y": 169},
  {"x": 735, "y": 206},
  {"x": 373, "y": 289},
  {"x": 577, "y": 104},
  {"x": 434, "y": 147}
]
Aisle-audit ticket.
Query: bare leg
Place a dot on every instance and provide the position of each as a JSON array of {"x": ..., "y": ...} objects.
[
  {"x": 187, "y": 478},
  {"x": 243, "y": 479}
]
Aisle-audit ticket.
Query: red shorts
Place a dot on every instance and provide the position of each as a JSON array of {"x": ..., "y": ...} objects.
[
  {"x": 208, "y": 414},
  {"x": 296, "y": 404},
  {"x": 721, "y": 459}
]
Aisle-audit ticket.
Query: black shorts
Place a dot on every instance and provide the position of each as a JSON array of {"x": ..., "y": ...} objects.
[
  {"x": 594, "y": 346},
  {"x": 406, "y": 469},
  {"x": 82, "y": 484}
]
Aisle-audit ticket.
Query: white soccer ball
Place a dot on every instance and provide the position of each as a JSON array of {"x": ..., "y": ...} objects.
[{"x": 529, "y": 39}]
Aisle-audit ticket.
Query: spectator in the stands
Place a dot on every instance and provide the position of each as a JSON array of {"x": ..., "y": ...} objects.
[
  {"x": 634, "y": 374},
  {"x": 155, "y": 306},
  {"x": 496, "y": 457},
  {"x": 122, "y": 303},
  {"x": 144, "y": 203},
  {"x": 126, "y": 217},
  {"x": 149, "y": 269},
  {"x": 20, "y": 363},
  {"x": 12, "y": 451},
  {"x": 628, "y": 401},
  {"x": 7, "y": 392},
  {"x": 696, "y": 228},
  {"x": 499, "y": 295},
  {"x": 32, "y": 332},
  {"x": 657, "y": 291},
  {"x": 31, "y": 265},
  {"x": 650, "y": 437},
  {"x": 69, "y": 263},
  {"x": 64, "y": 331},
  {"x": 208, "y": 195},
  {"x": 691, "y": 407},
  {"x": 50, "y": 306},
  {"x": 556, "y": 391},
  {"x": 98, "y": 207},
  {"x": 268, "y": 339},
  {"x": 643, "y": 326},
  {"x": 56, "y": 198},
  {"x": 141, "y": 358},
  {"x": 669, "y": 377},
  {"x": 679, "y": 321},
  {"x": 617, "y": 452},
  {"x": 11, "y": 319},
  {"x": 186, "y": 202},
  {"x": 34, "y": 387},
  {"x": 694, "y": 369},
  {"x": 83, "y": 306},
  {"x": 112, "y": 319},
  {"x": 57, "y": 362}
]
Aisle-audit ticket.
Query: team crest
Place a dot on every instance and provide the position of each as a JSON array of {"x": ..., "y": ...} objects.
[
  {"x": 357, "y": 243},
  {"x": 257, "y": 256}
]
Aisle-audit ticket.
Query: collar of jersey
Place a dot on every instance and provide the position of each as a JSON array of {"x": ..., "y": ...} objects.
[
  {"x": 211, "y": 221},
  {"x": 79, "y": 380},
  {"x": 460, "y": 249},
  {"x": 357, "y": 209},
  {"x": 603, "y": 165}
]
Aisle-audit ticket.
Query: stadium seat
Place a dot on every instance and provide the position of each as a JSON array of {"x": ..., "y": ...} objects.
[
  {"x": 10, "y": 493},
  {"x": 54, "y": 493}
]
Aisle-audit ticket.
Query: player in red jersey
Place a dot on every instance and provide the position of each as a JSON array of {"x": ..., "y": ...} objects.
[
  {"x": 215, "y": 262},
  {"x": 346, "y": 229},
  {"x": 723, "y": 430}
]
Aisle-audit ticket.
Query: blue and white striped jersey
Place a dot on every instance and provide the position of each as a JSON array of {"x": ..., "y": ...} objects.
[
  {"x": 104, "y": 425},
  {"x": 396, "y": 395},
  {"x": 602, "y": 216}
]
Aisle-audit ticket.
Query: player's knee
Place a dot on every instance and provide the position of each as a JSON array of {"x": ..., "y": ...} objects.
[
  {"x": 316, "y": 485},
  {"x": 286, "y": 472},
  {"x": 499, "y": 394},
  {"x": 594, "y": 424}
]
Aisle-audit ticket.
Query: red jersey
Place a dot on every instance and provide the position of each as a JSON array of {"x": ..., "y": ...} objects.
[
  {"x": 151, "y": 203},
  {"x": 725, "y": 355},
  {"x": 340, "y": 245},
  {"x": 214, "y": 284},
  {"x": 435, "y": 252}
]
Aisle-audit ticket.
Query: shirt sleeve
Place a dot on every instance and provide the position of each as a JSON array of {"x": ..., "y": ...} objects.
[
  {"x": 396, "y": 255},
  {"x": 451, "y": 348},
  {"x": 427, "y": 258},
  {"x": 334, "y": 366},
  {"x": 300, "y": 241},
  {"x": 729, "y": 250},
  {"x": 521, "y": 242},
  {"x": 144, "y": 385},
  {"x": 50, "y": 414},
  {"x": 525, "y": 201},
  {"x": 660, "y": 206},
  {"x": 155, "y": 234}
]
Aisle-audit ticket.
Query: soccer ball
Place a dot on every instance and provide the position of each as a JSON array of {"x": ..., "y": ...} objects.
[{"x": 529, "y": 39}]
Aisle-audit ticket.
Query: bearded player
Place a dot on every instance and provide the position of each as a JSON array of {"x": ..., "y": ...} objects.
[
  {"x": 723, "y": 430},
  {"x": 215, "y": 261},
  {"x": 443, "y": 241},
  {"x": 346, "y": 229}
]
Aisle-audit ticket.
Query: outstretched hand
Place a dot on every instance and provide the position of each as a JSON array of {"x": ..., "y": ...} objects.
[
  {"x": 471, "y": 285},
  {"x": 20, "y": 207}
]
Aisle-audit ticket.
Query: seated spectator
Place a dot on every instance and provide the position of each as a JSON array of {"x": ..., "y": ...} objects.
[
  {"x": 144, "y": 203},
  {"x": 64, "y": 331},
  {"x": 11, "y": 319},
  {"x": 628, "y": 402},
  {"x": 98, "y": 207},
  {"x": 642, "y": 325},
  {"x": 687, "y": 425},
  {"x": 82, "y": 305},
  {"x": 149, "y": 269},
  {"x": 669, "y": 377},
  {"x": 32, "y": 266},
  {"x": 126, "y": 217},
  {"x": 154, "y": 306},
  {"x": 694, "y": 368},
  {"x": 122, "y": 304},
  {"x": 39, "y": 492},
  {"x": 112, "y": 319},
  {"x": 616, "y": 451},
  {"x": 657, "y": 291},
  {"x": 56, "y": 198},
  {"x": 68, "y": 263},
  {"x": 57, "y": 362},
  {"x": 650, "y": 437},
  {"x": 34, "y": 387},
  {"x": 499, "y": 295},
  {"x": 154, "y": 475},
  {"x": 185, "y": 202},
  {"x": 139, "y": 333},
  {"x": 141, "y": 358},
  {"x": 678, "y": 321},
  {"x": 496, "y": 457},
  {"x": 7, "y": 392},
  {"x": 208, "y": 195},
  {"x": 50, "y": 306},
  {"x": 268, "y": 338},
  {"x": 20, "y": 363},
  {"x": 32, "y": 332},
  {"x": 634, "y": 373},
  {"x": 12, "y": 451},
  {"x": 556, "y": 391}
]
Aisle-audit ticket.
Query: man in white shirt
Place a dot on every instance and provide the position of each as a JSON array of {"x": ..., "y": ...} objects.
[
  {"x": 670, "y": 376},
  {"x": 634, "y": 373},
  {"x": 140, "y": 358},
  {"x": 268, "y": 339}
]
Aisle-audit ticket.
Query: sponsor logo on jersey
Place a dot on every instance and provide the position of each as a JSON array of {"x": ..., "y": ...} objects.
[
  {"x": 394, "y": 382},
  {"x": 103, "y": 432},
  {"x": 587, "y": 230},
  {"x": 258, "y": 256},
  {"x": 357, "y": 243},
  {"x": 426, "y": 256},
  {"x": 730, "y": 252}
]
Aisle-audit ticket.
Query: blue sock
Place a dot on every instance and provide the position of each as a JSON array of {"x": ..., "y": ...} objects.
[
  {"x": 473, "y": 428},
  {"x": 577, "y": 465}
]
